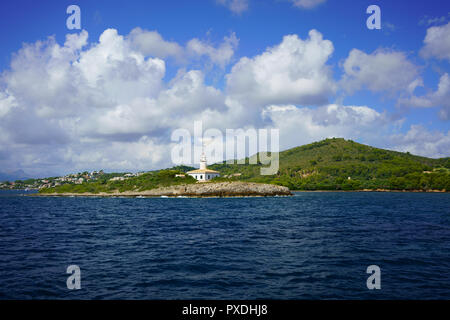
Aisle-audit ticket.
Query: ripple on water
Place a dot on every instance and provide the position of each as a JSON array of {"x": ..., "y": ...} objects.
[{"x": 310, "y": 246}]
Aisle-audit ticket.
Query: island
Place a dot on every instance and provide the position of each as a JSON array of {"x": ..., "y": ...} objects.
[
  {"x": 333, "y": 164},
  {"x": 218, "y": 189}
]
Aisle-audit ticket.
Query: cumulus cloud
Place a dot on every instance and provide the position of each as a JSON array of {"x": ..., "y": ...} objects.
[
  {"x": 60, "y": 81},
  {"x": 152, "y": 43},
  {"x": 116, "y": 68},
  {"x": 83, "y": 99},
  {"x": 107, "y": 105},
  {"x": 301, "y": 125},
  {"x": 7, "y": 102},
  {"x": 235, "y": 6},
  {"x": 221, "y": 55},
  {"x": 293, "y": 72},
  {"x": 439, "y": 98},
  {"x": 186, "y": 99},
  {"x": 437, "y": 43},
  {"x": 418, "y": 140},
  {"x": 382, "y": 70},
  {"x": 307, "y": 4}
]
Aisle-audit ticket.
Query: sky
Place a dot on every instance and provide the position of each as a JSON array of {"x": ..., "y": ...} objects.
[{"x": 110, "y": 94}]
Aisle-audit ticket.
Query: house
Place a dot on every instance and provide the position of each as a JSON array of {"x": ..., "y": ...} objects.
[
  {"x": 117, "y": 179},
  {"x": 203, "y": 174}
]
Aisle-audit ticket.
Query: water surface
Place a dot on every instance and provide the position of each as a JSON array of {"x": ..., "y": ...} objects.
[{"x": 310, "y": 246}]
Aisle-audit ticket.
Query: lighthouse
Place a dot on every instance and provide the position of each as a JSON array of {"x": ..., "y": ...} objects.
[
  {"x": 203, "y": 174},
  {"x": 203, "y": 162}
]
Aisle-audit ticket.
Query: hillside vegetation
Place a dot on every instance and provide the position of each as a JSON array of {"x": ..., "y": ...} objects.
[
  {"x": 338, "y": 164},
  {"x": 146, "y": 181},
  {"x": 331, "y": 164}
]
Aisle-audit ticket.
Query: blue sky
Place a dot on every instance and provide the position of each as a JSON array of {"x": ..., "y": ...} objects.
[{"x": 226, "y": 32}]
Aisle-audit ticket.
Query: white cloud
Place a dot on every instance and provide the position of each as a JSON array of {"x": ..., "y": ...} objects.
[
  {"x": 152, "y": 43},
  {"x": 186, "y": 99},
  {"x": 56, "y": 81},
  {"x": 141, "y": 154},
  {"x": 307, "y": 4},
  {"x": 427, "y": 20},
  {"x": 359, "y": 123},
  {"x": 7, "y": 102},
  {"x": 76, "y": 41},
  {"x": 106, "y": 105},
  {"x": 82, "y": 100},
  {"x": 437, "y": 43},
  {"x": 112, "y": 65},
  {"x": 220, "y": 56},
  {"x": 301, "y": 125},
  {"x": 418, "y": 140},
  {"x": 294, "y": 71},
  {"x": 382, "y": 70},
  {"x": 235, "y": 6},
  {"x": 439, "y": 98}
]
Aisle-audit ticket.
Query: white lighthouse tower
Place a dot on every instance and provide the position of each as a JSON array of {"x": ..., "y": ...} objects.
[
  {"x": 203, "y": 174},
  {"x": 203, "y": 161}
]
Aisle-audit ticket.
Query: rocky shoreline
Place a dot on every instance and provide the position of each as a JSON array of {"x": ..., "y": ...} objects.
[
  {"x": 220, "y": 189},
  {"x": 376, "y": 190}
]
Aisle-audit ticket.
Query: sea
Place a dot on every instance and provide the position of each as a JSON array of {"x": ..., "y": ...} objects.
[{"x": 313, "y": 245}]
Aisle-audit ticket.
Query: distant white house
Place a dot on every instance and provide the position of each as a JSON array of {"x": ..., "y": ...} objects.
[
  {"x": 117, "y": 179},
  {"x": 203, "y": 174}
]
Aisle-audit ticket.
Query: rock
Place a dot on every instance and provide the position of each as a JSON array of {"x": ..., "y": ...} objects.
[{"x": 219, "y": 189}]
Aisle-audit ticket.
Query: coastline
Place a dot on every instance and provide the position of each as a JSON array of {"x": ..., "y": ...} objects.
[
  {"x": 376, "y": 190},
  {"x": 198, "y": 190},
  {"x": 122, "y": 195},
  {"x": 153, "y": 194}
]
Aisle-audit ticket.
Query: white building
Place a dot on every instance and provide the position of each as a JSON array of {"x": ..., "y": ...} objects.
[
  {"x": 203, "y": 174},
  {"x": 117, "y": 179}
]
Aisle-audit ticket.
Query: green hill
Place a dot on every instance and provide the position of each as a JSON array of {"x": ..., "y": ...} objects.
[
  {"x": 331, "y": 164},
  {"x": 338, "y": 164}
]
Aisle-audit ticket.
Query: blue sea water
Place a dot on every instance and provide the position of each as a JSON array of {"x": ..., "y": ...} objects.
[{"x": 309, "y": 246}]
